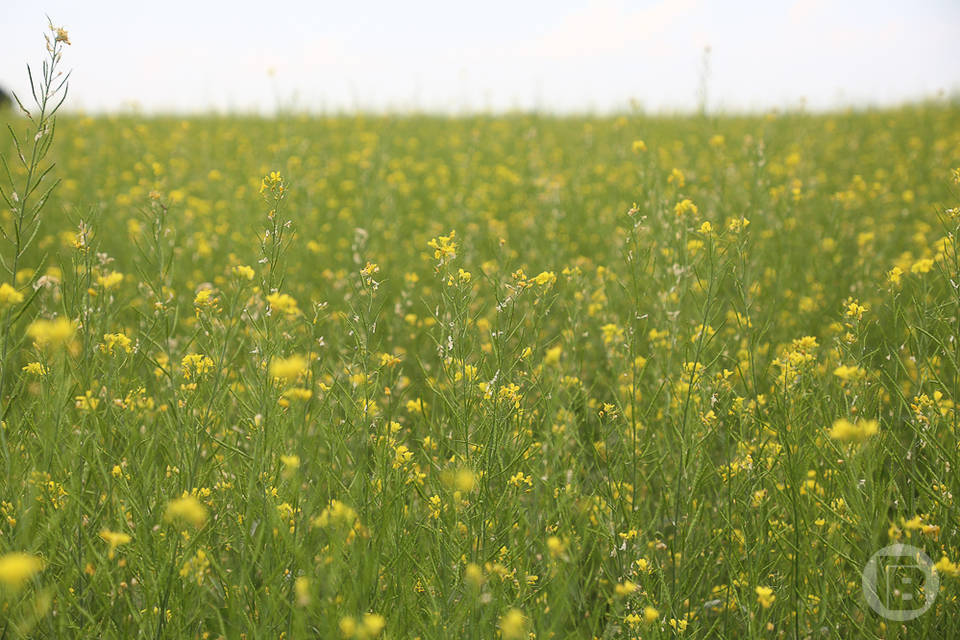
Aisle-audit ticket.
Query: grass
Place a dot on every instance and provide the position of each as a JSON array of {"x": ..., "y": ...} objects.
[{"x": 397, "y": 377}]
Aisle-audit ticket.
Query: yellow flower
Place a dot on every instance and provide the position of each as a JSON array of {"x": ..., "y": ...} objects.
[
  {"x": 243, "y": 271},
  {"x": 736, "y": 225},
  {"x": 17, "y": 567},
  {"x": 847, "y": 431},
  {"x": 676, "y": 177},
  {"x": 473, "y": 575},
  {"x": 679, "y": 625},
  {"x": 295, "y": 393},
  {"x": 301, "y": 587},
  {"x": 894, "y": 275},
  {"x": 923, "y": 265},
  {"x": 519, "y": 479},
  {"x": 290, "y": 465},
  {"x": 114, "y": 539},
  {"x": 556, "y": 546},
  {"x": 51, "y": 333},
  {"x": 389, "y": 360},
  {"x": 545, "y": 278},
  {"x": 196, "y": 567},
  {"x": 36, "y": 369},
  {"x": 465, "y": 480},
  {"x": 110, "y": 280},
  {"x": 513, "y": 625},
  {"x": 848, "y": 373},
  {"x": 685, "y": 206},
  {"x": 206, "y": 299},
  {"x": 650, "y": 615},
  {"x": 337, "y": 513},
  {"x": 552, "y": 356},
  {"x": 272, "y": 182},
  {"x": 186, "y": 510},
  {"x": 9, "y": 296},
  {"x": 765, "y": 596},
  {"x": 348, "y": 626},
  {"x": 61, "y": 35},
  {"x": 416, "y": 406},
  {"x": 288, "y": 369},
  {"x": 372, "y": 625},
  {"x": 283, "y": 303},
  {"x": 611, "y": 333},
  {"x": 444, "y": 248},
  {"x": 118, "y": 340},
  {"x": 946, "y": 567},
  {"x": 639, "y": 146},
  {"x": 86, "y": 402},
  {"x": 195, "y": 365},
  {"x": 853, "y": 309}
]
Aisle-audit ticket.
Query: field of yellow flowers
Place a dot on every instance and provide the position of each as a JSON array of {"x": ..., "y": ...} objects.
[{"x": 521, "y": 376}]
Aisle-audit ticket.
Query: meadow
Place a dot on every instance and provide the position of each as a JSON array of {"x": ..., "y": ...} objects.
[{"x": 518, "y": 376}]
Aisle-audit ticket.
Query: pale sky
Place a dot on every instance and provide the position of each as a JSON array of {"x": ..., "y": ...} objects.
[{"x": 451, "y": 56}]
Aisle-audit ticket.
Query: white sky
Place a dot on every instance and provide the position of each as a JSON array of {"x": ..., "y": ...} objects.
[{"x": 564, "y": 55}]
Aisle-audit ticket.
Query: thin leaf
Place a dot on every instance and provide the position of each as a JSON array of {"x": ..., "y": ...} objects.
[{"x": 33, "y": 89}]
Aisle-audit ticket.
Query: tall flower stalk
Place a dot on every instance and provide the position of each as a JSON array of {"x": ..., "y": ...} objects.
[{"x": 26, "y": 188}]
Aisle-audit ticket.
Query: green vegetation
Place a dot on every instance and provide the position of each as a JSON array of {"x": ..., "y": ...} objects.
[{"x": 477, "y": 377}]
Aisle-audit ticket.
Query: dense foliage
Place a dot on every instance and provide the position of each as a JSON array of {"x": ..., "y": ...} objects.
[{"x": 360, "y": 376}]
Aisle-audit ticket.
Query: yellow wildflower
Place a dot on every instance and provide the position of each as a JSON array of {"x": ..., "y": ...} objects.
[
  {"x": 372, "y": 625},
  {"x": 894, "y": 275},
  {"x": 545, "y": 278},
  {"x": 301, "y": 587},
  {"x": 9, "y": 296},
  {"x": 288, "y": 369},
  {"x": 51, "y": 333},
  {"x": 283, "y": 303},
  {"x": 848, "y": 373},
  {"x": 765, "y": 596},
  {"x": 272, "y": 182},
  {"x": 473, "y": 575},
  {"x": 115, "y": 340},
  {"x": 186, "y": 509},
  {"x": 243, "y": 272},
  {"x": 444, "y": 248},
  {"x": 946, "y": 567},
  {"x": 290, "y": 465},
  {"x": 110, "y": 280},
  {"x": 17, "y": 567},
  {"x": 513, "y": 625},
  {"x": 36, "y": 369},
  {"x": 676, "y": 177},
  {"x": 114, "y": 539},
  {"x": 195, "y": 365},
  {"x": 847, "y": 431},
  {"x": 685, "y": 206}
]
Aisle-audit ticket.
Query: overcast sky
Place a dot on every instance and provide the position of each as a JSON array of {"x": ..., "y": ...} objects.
[{"x": 563, "y": 55}]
